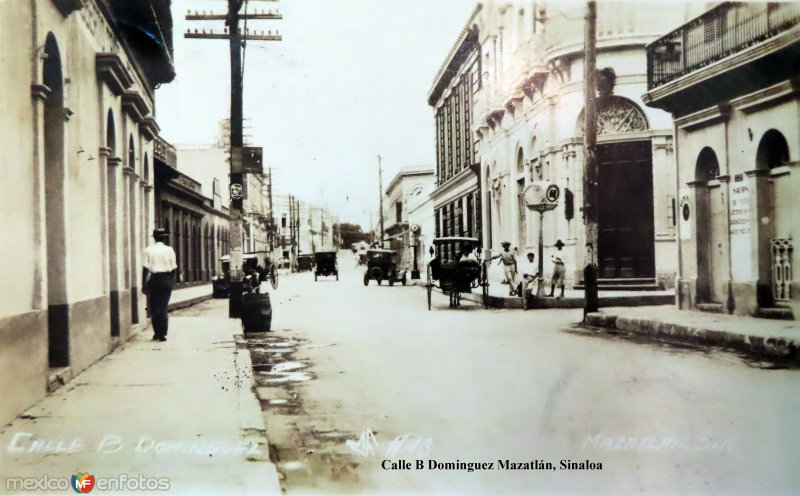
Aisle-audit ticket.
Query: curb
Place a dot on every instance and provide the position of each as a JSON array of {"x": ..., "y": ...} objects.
[
  {"x": 551, "y": 302},
  {"x": 773, "y": 347},
  {"x": 178, "y": 305},
  {"x": 265, "y": 479}
]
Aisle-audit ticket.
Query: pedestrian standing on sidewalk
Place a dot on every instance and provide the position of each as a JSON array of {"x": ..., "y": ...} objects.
[
  {"x": 158, "y": 278},
  {"x": 559, "y": 271},
  {"x": 509, "y": 261}
]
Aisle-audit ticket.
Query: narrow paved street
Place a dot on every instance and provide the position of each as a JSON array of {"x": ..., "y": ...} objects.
[{"x": 356, "y": 375}]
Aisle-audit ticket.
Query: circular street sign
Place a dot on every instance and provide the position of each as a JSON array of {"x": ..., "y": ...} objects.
[
  {"x": 533, "y": 195},
  {"x": 552, "y": 194},
  {"x": 236, "y": 191}
]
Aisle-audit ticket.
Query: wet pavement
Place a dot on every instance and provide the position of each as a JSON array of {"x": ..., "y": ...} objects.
[{"x": 360, "y": 384}]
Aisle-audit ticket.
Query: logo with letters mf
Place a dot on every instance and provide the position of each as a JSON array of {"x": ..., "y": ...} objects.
[{"x": 82, "y": 483}]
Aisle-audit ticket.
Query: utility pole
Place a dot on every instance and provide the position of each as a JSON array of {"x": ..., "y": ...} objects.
[
  {"x": 236, "y": 39},
  {"x": 380, "y": 195},
  {"x": 590, "y": 172},
  {"x": 271, "y": 217}
]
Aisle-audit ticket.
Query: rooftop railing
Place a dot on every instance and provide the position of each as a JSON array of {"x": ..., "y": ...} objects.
[
  {"x": 719, "y": 33},
  {"x": 165, "y": 152}
]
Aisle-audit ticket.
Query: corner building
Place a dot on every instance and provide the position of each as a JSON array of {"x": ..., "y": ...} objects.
[
  {"x": 528, "y": 126},
  {"x": 78, "y": 129}
]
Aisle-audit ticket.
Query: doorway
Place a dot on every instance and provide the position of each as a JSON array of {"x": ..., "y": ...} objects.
[
  {"x": 625, "y": 212},
  {"x": 58, "y": 308}
]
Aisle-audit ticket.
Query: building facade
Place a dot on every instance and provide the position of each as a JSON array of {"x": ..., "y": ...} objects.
[
  {"x": 456, "y": 198},
  {"x": 198, "y": 225},
  {"x": 410, "y": 188},
  {"x": 78, "y": 101},
  {"x": 729, "y": 78},
  {"x": 528, "y": 124}
]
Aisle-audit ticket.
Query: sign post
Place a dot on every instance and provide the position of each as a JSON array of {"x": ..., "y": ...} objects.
[{"x": 541, "y": 197}]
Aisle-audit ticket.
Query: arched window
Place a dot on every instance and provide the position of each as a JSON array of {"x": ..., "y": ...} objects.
[
  {"x": 131, "y": 153},
  {"x": 707, "y": 166},
  {"x": 520, "y": 161},
  {"x": 111, "y": 134},
  {"x": 773, "y": 151}
]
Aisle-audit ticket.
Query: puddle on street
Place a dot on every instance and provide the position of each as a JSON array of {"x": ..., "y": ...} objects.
[{"x": 307, "y": 458}]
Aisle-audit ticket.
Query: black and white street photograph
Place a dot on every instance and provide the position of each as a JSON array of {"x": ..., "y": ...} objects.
[{"x": 402, "y": 247}]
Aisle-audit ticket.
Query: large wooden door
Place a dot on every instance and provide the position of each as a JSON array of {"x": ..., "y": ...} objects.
[
  {"x": 718, "y": 232},
  {"x": 626, "y": 232}
]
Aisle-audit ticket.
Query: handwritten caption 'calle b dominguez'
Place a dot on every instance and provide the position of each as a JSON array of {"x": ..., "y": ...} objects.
[{"x": 27, "y": 443}]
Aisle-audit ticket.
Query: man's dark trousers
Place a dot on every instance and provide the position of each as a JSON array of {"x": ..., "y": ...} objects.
[{"x": 159, "y": 289}]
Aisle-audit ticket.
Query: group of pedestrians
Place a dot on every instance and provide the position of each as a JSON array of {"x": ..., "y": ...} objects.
[{"x": 521, "y": 274}]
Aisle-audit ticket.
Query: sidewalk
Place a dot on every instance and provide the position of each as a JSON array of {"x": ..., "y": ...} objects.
[
  {"x": 762, "y": 337},
  {"x": 186, "y": 297},
  {"x": 183, "y": 410}
]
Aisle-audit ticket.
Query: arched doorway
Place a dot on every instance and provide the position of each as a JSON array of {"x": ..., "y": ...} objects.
[
  {"x": 132, "y": 242},
  {"x": 488, "y": 202},
  {"x": 113, "y": 247},
  {"x": 711, "y": 222},
  {"x": 776, "y": 234},
  {"x": 522, "y": 223},
  {"x": 626, "y": 228},
  {"x": 55, "y": 177}
]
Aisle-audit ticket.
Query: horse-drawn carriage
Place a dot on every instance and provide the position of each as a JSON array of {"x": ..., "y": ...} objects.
[{"x": 456, "y": 268}]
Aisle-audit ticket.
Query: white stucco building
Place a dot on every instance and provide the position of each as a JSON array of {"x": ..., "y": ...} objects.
[{"x": 78, "y": 127}]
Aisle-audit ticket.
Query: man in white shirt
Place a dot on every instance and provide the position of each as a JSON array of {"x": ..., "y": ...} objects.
[
  {"x": 528, "y": 271},
  {"x": 158, "y": 277}
]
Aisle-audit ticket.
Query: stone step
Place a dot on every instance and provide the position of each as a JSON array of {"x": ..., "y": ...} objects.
[{"x": 778, "y": 313}]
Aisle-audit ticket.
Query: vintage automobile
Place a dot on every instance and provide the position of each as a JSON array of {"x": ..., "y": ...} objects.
[
  {"x": 304, "y": 262},
  {"x": 382, "y": 265},
  {"x": 454, "y": 270},
  {"x": 221, "y": 283},
  {"x": 256, "y": 266},
  {"x": 325, "y": 264}
]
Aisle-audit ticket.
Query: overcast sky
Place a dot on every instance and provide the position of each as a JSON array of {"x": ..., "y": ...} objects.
[{"x": 348, "y": 82}]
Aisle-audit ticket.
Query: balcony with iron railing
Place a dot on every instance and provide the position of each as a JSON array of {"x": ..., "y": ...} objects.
[
  {"x": 165, "y": 152},
  {"x": 725, "y": 31}
]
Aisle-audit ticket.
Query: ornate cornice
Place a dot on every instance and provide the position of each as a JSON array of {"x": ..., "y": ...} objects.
[
  {"x": 149, "y": 128},
  {"x": 66, "y": 7},
  {"x": 111, "y": 70},
  {"x": 134, "y": 105}
]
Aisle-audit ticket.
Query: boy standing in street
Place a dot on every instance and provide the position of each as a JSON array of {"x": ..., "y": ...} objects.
[
  {"x": 158, "y": 278},
  {"x": 559, "y": 271}
]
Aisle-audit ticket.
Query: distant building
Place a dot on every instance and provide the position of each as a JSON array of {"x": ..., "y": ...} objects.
[
  {"x": 729, "y": 78},
  {"x": 410, "y": 188},
  {"x": 191, "y": 209},
  {"x": 77, "y": 130}
]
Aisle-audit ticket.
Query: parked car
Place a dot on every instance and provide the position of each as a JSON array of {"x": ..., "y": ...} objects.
[
  {"x": 251, "y": 282},
  {"x": 382, "y": 266}
]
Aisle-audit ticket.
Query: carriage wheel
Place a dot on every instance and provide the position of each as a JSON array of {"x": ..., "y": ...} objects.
[
  {"x": 430, "y": 290},
  {"x": 366, "y": 279},
  {"x": 458, "y": 299},
  {"x": 273, "y": 277}
]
